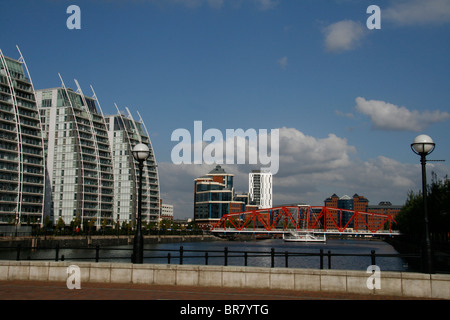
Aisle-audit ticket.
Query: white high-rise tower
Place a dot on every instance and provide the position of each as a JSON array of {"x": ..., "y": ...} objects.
[{"x": 260, "y": 189}]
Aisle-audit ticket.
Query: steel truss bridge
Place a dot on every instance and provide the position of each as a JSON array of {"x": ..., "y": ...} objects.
[{"x": 316, "y": 219}]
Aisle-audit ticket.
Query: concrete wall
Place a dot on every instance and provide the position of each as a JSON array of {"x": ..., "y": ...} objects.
[{"x": 392, "y": 283}]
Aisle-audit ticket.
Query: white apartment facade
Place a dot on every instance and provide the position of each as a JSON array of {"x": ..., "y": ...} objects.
[
  {"x": 124, "y": 133},
  {"x": 22, "y": 165},
  {"x": 260, "y": 189},
  {"x": 166, "y": 211},
  {"x": 80, "y": 182},
  {"x": 91, "y": 170},
  {"x": 61, "y": 157}
]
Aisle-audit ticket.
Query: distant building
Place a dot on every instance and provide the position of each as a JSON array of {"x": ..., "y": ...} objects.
[
  {"x": 166, "y": 211},
  {"x": 331, "y": 201},
  {"x": 260, "y": 189},
  {"x": 385, "y": 207},
  {"x": 214, "y": 197},
  {"x": 22, "y": 164},
  {"x": 358, "y": 203}
]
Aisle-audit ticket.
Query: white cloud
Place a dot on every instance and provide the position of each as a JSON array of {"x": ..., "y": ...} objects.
[
  {"x": 300, "y": 156},
  {"x": 283, "y": 62},
  {"x": 266, "y": 4},
  {"x": 262, "y": 5},
  {"x": 346, "y": 115},
  {"x": 311, "y": 169},
  {"x": 300, "y": 153},
  {"x": 414, "y": 12},
  {"x": 216, "y": 4},
  {"x": 177, "y": 186},
  {"x": 387, "y": 116},
  {"x": 343, "y": 35}
]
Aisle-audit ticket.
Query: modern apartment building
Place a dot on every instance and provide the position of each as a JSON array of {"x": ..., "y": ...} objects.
[
  {"x": 124, "y": 133},
  {"x": 22, "y": 165},
  {"x": 79, "y": 160},
  {"x": 260, "y": 189},
  {"x": 61, "y": 157},
  {"x": 91, "y": 171}
]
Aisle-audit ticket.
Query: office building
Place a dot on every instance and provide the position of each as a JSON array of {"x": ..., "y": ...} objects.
[
  {"x": 385, "y": 207},
  {"x": 22, "y": 165},
  {"x": 358, "y": 203},
  {"x": 214, "y": 197},
  {"x": 361, "y": 204},
  {"x": 260, "y": 189}
]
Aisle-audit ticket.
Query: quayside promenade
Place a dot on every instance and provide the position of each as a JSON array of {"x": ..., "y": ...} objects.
[
  {"x": 37, "y": 290},
  {"x": 227, "y": 278}
]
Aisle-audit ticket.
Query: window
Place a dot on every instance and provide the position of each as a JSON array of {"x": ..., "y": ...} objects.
[{"x": 46, "y": 103}]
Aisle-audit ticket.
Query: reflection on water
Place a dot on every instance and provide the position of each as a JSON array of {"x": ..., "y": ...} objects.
[
  {"x": 336, "y": 246},
  {"x": 264, "y": 246}
]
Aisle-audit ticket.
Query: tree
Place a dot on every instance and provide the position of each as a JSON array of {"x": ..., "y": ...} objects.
[
  {"x": 91, "y": 224},
  {"x": 439, "y": 207},
  {"x": 60, "y": 224},
  {"x": 48, "y": 224},
  {"x": 410, "y": 220}
]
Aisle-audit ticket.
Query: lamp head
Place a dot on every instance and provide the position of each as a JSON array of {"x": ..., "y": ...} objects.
[
  {"x": 141, "y": 152},
  {"x": 423, "y": 145}
]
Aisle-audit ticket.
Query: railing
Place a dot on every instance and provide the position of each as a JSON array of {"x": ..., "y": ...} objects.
[{"x": 181, "y": 255}]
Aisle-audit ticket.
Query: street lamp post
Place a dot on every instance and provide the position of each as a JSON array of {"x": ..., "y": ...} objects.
[
  {"x": 424, "y": 145},
  {"x": 140, "y": 153}
]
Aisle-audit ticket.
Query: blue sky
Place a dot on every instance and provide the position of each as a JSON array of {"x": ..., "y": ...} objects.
[{"x": 350, "y": 99}]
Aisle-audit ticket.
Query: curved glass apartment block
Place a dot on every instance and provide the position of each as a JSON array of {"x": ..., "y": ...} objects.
[
  {"x": 22, "y": 165},
  {"x": 124, "y": 133},
  {"x": 79, "y": 162}
]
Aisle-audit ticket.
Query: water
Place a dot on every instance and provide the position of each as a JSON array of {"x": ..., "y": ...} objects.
[
  {"x": 265, "y": 246},
  {"x": 336, "y": 246}
]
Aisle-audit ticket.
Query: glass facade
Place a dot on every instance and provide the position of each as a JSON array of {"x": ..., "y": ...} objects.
[{"x": 214, "y": 197}]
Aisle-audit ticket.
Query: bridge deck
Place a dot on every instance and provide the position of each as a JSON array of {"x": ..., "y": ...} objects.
[{"x": 281, "y": 231}]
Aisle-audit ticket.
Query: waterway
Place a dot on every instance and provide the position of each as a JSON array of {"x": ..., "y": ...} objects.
[
  {"x": 194, "y": 253},
  {"x": 335, "y": 246}
]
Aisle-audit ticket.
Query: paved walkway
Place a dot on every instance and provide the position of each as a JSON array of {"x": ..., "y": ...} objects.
[{"x": 38, "y": 290}]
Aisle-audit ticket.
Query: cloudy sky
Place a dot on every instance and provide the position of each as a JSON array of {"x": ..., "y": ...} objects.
[{"x": 347, "y": 100}]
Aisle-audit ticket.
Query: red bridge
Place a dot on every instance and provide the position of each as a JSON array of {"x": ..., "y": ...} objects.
[{"x": 306, "y": 218}]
